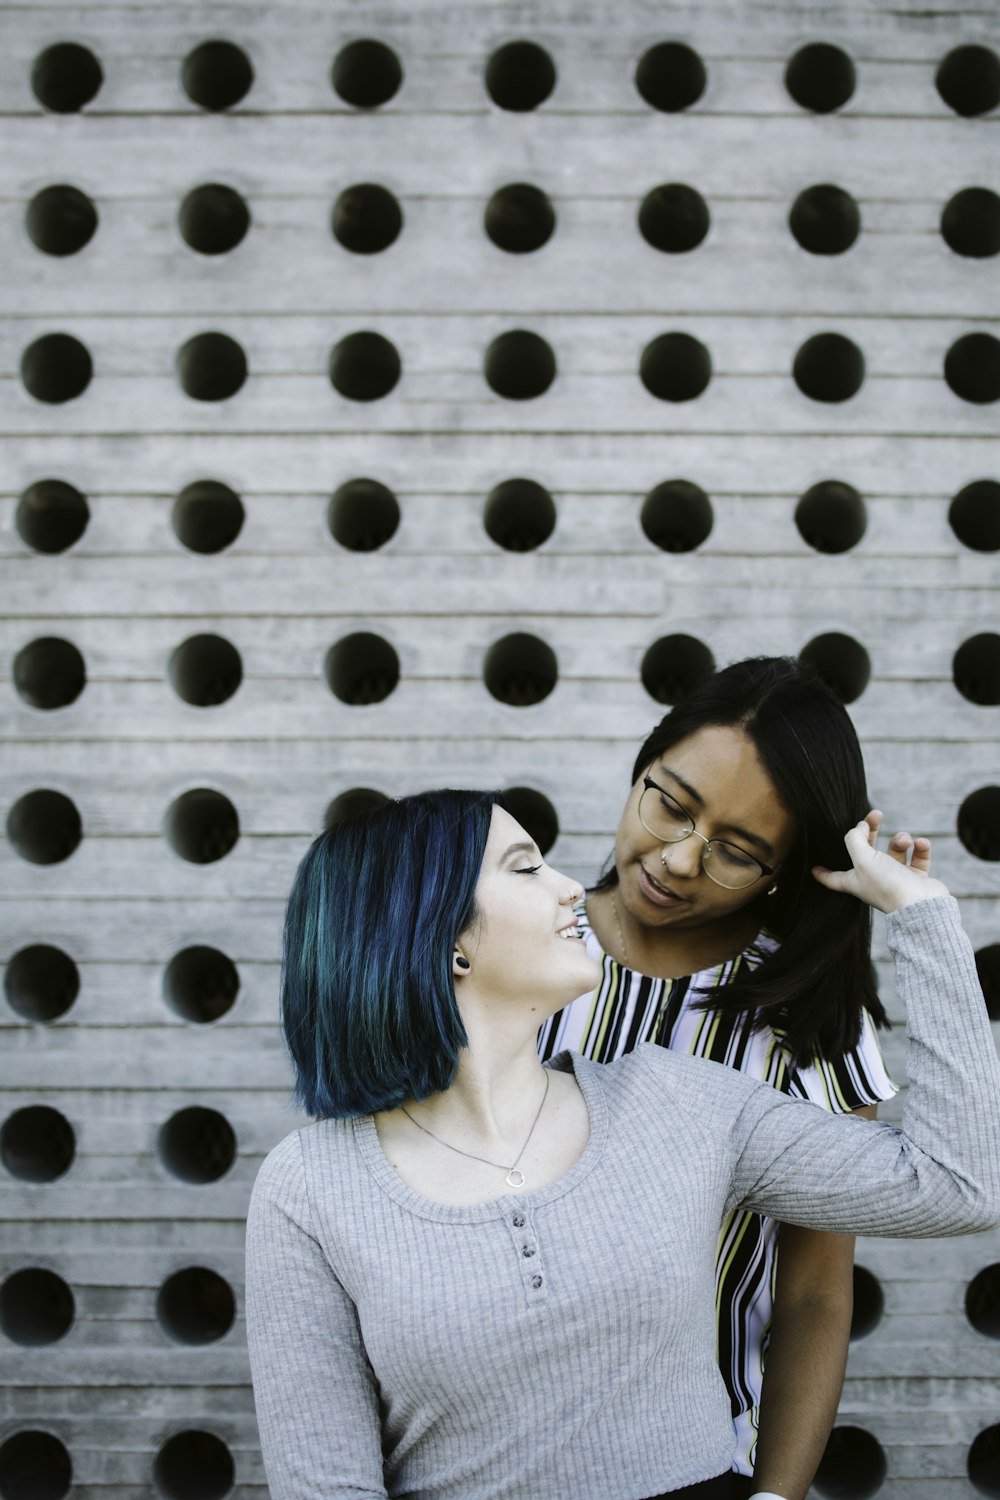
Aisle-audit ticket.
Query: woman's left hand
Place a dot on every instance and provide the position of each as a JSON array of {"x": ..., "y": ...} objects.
[{"x": 886, "y": 881}]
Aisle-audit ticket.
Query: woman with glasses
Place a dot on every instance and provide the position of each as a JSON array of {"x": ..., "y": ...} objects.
[{"x": 714, "y": 939}]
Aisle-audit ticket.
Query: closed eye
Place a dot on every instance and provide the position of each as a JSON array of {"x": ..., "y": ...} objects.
[{"x": 528, "y": 870}]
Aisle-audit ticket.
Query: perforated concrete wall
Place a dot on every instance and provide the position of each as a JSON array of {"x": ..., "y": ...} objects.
[{"x": 423, "y": 393}]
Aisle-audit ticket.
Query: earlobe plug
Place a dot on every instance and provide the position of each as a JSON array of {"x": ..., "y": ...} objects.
[{"x": 462, "y": 963}]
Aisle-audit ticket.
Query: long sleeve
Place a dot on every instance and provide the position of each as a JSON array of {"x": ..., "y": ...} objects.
[
  {"x": 316, "y": 1396},
  {"x": 940, "y": 1173}
]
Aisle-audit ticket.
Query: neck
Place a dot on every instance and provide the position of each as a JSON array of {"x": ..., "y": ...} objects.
[{"x": 667, "y": 952}]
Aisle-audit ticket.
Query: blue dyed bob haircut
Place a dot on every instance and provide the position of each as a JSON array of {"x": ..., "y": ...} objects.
[{"x": 367, "y": 994}]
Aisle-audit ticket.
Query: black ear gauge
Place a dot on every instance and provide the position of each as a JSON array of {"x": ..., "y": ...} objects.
[{"x": 462, "y": 963}]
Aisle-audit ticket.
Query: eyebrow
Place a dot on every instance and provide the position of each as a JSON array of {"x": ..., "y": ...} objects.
[
  {"x": 524, "y": 847},
  {"x": 741, "y": 833}
]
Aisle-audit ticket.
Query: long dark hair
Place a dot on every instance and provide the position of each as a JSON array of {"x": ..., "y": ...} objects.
[{"x": 813, "y": 988}]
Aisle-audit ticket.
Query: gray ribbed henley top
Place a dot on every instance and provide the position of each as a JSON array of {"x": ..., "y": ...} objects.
[{"x": 560, "y": 1345}]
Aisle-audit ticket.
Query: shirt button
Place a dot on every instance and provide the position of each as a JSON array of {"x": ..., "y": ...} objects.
[
  {"x": 527, "y": 1251},
  {"x": 518, "y": 1221},
  {"x": 536, "y": 1282}
]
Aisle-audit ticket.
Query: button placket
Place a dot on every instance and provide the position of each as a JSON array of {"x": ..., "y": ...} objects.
[{"x": 525, "y": 1244}]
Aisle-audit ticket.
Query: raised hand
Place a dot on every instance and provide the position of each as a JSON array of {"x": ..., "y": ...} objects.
[{"x": 888, "y": 880}]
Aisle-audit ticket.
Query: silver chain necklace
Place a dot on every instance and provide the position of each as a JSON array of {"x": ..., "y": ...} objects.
[{"x": 515, "y": 1177}]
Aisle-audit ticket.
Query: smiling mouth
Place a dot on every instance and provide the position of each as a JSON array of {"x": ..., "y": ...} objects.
[
  {"x": 571, "y": 932},
  {"x": 662, "y": 890}
]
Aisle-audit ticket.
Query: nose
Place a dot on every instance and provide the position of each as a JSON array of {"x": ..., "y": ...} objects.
[
  {"x": 571, "y": 891},
  {"x": 683, "y": 859}
]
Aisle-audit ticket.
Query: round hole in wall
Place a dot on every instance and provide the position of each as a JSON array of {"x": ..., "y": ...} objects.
[
  {"x": 970, "y": 223},
  {"x": 520, "y": 669},
  {"x": 217, "y": 75},
  {"x": 671, "y": 77},
  {"x": 34, "y": 1465},
  {"x": 362, "y": 668},
  {"x": 831, "y": 516},
  {"x": 674, "y": 218},
  {"x": 60, "y": 220},
  {"x": 194, "y": 1465},
  {"x": 366, "y": 73},
  {"x": 211, "y": 367},
  {"x": 829, "y": 367},
  {"x": 205, "y": 670},
  {"x": 974, "y": 515},
  {"x": 207, "y": 516},
  {"x": 51, "y": 516},
  {"x": 842, "y": 663},
  {"x": 972, "y": 368},
  {"x": 519, "y": 218},
  {"x": 201, "y": 984},
  {"x": 41, "y": 983},
  {"x": 534, "y": 812},
  {"x": 364, "y": 366},
  {"x": 44, "y": 827},
  {"x": 869, "y": 1303},
  {"x": 520, "y": 76},
  {"x": 65, "y": 77},
  {"x": 350, "y": 804},
  {"x": 367, "y": 218},
  {"x": 520, "y": 515},
  {"x": 363, "y": 515},
  {"x": 201, "y": 826},
  {"x": 984, "y": 1462},
  {"x": 982, "y": 1301},
  {"x": 968, "y": 80},
  {"x": 37, "y": 1144},
  {"x": 49, "y": 673},
  {"x": 56, "y": 368},
  {"x": 853, "y": 1466},
  {"x": 674, "y": 666},
  {"x": 196, "y": 1306},
  {"x": 820, "y": 77},
  {"x": 825, "y": 220},
  {"x": 975, "y": 668},
  {"x": 988, "y": 967},
  {"x": 677, "y": 516},
  {"x": 197, "y": 1145},
  {"x": 979, "y": 823},
  {"x": 675, "y": 367},
  {"x": 519, "y": 365},
  {"x": 213, "y": 218},
  {"x": 36, "y": 1307}
]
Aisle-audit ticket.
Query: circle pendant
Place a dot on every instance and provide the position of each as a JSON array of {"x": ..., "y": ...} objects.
[{"x": 515, "y": 1178}]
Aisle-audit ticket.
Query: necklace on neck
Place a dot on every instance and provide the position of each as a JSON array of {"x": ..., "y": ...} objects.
[
  {"x": 515, "y": 1177},
  {"x": 618, "y": 926}
]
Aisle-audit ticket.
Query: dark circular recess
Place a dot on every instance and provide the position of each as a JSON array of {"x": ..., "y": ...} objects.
[
  {"x": 520, "y": 669},
  {"x": 205, "y": 670},
  {"x": 519, "y": 365},
  {"x": 363, "y": 515},
  {"x": 41, "y": 983},
  {"x": 673, "y": 218},
  {"x": 207, "y": 516},
  {"x": 831, "y": 516},
  {"x": 197, "y": 1145},
  {"x": 34, "y": 1465},
  {"x": 200, "y": 984},
  {"x": 196, "y": 1306},
  {"x": 972, "y": 368},
  {"x": 519, "y": 218},
  {"x": 671, "y": 77},
  {"x": 364, "y": 366},
  {"x": 36, "y": 1307},
  {"x": 49, "y": 672},
  {"x": 825, "y": 220},
  {"x": 60, "y": 220},
  {"x": 974, "y": 515},
  {"x": 519, "y": 515},
  {"x": 968, "y": 80},
  {"x": 361, "y": 668},
  {"x": 869, "y": 1303},
  {"x": 520, "y": 76},
  {"x": 44, "y": 827},
  {"x": 842, "y": 663},
  {"x": 988, "y": 967},
  {"x": 217, "y": 75},
  {"x": 970, "y": 223},
  {"x": 677, "y": 516},
  {"x": 201, "y": 826},
  {"x": 675, "y": 367},
  {"x": 366, "y": 73},
  {"x": 982, "y": 1302},
  {"x": 194, "y": 1465},
  {"x": 211, "y": 367},
  {"x": 56, "y": 368},
  {"x": 51, "y": 516},
  {"x": 213, "y": 218},
  {"x": 820, "y": 77},
  {"x": 348, "y": 805},
  {"x": 37, "y": 1144},
  {"x": 534, "y": 812},
  {"x": 984, "y": 1462},
  {"x": 829, "y": 367},
  {"x": 979, "y": 823},
  {"x": 975, "y": 669},
  {"x": 367, "y": 218},
  {"x": 674, "y": 666},
  {"x": 65, "y": 77},
  {"x": 853, "y": 1466}
]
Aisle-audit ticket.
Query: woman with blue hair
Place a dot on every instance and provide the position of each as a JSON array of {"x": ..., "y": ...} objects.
[{"x": 473, "y": 1276}]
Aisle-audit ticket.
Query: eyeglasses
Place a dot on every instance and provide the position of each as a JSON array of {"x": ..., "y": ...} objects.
[{"x": 727, "y": 864}]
